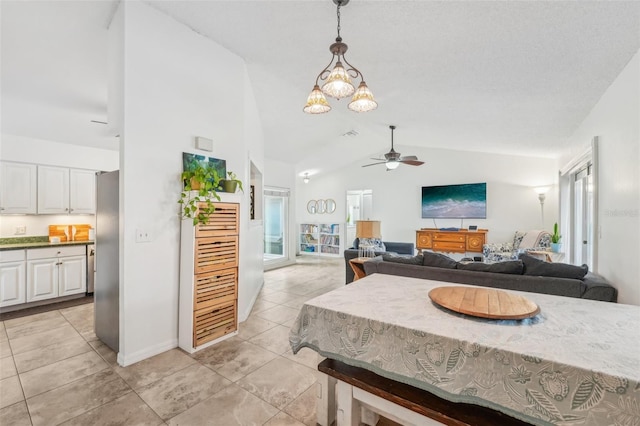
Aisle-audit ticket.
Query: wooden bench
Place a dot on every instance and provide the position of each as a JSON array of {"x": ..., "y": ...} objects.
[{"x": 396, "y": 401}]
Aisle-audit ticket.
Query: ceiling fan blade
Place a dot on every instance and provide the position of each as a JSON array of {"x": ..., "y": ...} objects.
[
  {"x": 412, "y": 162},
  {"x": 409, "y": 157},
  {"x": 379, "y": 159},
  {"x": 373, "y": 164}
]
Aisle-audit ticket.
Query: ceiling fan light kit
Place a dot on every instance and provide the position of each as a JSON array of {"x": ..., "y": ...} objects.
[
  {"x": 338, "y": 83},
  {"x": 392, "y": 159}
]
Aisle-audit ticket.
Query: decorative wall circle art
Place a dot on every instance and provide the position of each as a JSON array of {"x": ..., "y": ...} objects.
[{"x": 321, "y": 206}]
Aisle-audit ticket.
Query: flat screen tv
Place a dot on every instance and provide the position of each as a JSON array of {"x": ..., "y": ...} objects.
[{"x": 465, "y": 201}]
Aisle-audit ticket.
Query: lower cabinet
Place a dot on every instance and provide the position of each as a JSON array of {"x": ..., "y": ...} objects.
[
  {"x": 56, "y": 272},
  {"x": 12, "y": 272},
  {"x": 42, "y": 279}
]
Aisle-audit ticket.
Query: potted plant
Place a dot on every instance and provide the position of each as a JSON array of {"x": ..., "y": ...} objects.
[
  {"x": 232, "y": 183},
  {"x": 555, "y": 239},
  {"x": 200, "y": 183}
]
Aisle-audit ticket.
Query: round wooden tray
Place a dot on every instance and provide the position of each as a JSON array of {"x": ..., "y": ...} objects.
[{"x": 484, "y": 302}]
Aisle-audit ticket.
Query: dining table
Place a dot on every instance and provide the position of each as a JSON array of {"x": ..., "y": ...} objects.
[{"x": 576, "y": 361}]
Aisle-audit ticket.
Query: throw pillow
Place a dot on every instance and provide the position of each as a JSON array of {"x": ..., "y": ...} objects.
[
  {"x": 374, "y": 243},
  {"x": 533, "y": 266},
  {"x": 409, "y": 260},
  {"x": 438, "y": 260},
  {"x": 515, "y": 267},
  {"x": 517, "y": 239}
]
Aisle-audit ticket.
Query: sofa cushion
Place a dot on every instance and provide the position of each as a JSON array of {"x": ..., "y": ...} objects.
[
  {"x": 533, "y": 266},
  {"x": 409, "y": 260},
  {"x": 515, "y": 267},
  {"x": 438, "y": 260}
]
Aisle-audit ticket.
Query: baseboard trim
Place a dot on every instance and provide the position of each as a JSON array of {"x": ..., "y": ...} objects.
[{"x": 126, "y": 360}]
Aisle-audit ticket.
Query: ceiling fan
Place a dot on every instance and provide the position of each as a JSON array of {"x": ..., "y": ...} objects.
[{"x": 392, "y": 159}]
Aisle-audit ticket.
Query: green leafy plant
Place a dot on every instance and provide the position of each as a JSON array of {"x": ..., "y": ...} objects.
[
  {"x": 231, "y": 183},
  {"x": 555, "y": 237},
  {"x": 196, "y": 199}
]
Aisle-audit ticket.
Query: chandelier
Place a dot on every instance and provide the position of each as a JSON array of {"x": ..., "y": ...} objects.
[{"x": 338, "y": 81}]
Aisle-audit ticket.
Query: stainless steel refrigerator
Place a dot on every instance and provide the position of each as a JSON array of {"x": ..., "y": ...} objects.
[{"x": 106, "y": 294}]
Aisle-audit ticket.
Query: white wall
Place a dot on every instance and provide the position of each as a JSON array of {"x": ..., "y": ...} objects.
[
  {"x": 176, "y": 85},
  {"x": 282, "y": 175},
  {"x": 37, "y": 151},
  {"x": 511, "y": 202},
  {"x": 250, "y": 271},
  {"x": 616, "y": 121}
]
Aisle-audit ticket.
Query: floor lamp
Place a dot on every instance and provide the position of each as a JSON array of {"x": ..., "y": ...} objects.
[
  {"x": 541, "y": 191},
  {"x": 367, "y": 230}
]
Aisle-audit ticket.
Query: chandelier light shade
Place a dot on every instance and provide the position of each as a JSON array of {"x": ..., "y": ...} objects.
[
  {"x": 363, "y": 99},
  {"x": 316, "y": 102},
  {"x": 338, "y": 83}
]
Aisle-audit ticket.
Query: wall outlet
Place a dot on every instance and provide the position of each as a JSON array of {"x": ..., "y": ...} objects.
[
  {"x": 21, "y": 230},
  {"x": 143, "y": 236}
]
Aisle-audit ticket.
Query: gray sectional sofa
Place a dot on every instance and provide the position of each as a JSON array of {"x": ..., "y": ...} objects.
[
  {"x": 525, "y": 274},
  {"x": 391, "y": 248}
]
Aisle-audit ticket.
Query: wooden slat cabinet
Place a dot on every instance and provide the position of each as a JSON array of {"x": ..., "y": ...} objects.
[
  {"x": 209, "y": 279},
  {"x": 461, "y": 241}
]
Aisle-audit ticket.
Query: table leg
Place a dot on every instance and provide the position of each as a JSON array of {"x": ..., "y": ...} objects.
[
  {"x": 369, "y": 417},
  {"x": 348, "y": 407},
  {"x": 326, "y": 400}
]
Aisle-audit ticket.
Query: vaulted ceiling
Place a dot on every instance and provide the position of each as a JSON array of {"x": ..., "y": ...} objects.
[{"x": 511, "y": 77}]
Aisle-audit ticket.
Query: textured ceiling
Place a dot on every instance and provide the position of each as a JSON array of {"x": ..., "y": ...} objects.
[{"x": 512, "y": 77}]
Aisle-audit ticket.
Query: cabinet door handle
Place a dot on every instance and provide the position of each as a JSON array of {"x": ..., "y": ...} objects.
[
  {"x": 70, "y": 210},
  {"x": 66, "y": 210}
]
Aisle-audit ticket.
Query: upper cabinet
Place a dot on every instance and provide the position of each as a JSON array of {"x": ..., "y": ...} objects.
[
  {"x": 18, "y": 188},
  {"x": 53, "y": 190},
  {"x": 36, "y": 189},
  {"x": 82, "y": 191},
  {"x": 62, "y": 190}
]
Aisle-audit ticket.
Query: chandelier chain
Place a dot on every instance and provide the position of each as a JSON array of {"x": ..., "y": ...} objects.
[{"x": 338, "y": 13}]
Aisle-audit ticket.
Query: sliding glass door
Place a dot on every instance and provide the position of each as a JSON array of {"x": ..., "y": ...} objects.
[{"x": 583, "y": 232}]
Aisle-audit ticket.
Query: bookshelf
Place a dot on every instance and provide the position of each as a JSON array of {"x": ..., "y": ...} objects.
[
  {"x": 308, "y": 243},
  {"x": 322, "y": 239}
]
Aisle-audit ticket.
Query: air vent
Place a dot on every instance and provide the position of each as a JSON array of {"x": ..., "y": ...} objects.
[{"x": 350, "y": 134}]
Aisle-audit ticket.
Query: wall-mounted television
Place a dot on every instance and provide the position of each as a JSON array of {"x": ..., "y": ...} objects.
[{"x": 465, "y": 201}]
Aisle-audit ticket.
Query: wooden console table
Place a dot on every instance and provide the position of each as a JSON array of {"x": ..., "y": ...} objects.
[{"x": 461, "y": 241}]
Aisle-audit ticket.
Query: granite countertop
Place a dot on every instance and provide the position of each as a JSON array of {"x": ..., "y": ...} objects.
[{"x": 18, "y": 243}]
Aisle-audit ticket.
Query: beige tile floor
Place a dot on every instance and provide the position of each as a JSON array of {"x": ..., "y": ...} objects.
[{"x": 54, "y": 370}]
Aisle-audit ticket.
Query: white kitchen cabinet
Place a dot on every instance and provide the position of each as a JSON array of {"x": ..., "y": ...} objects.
[
  {"x": 42, "y": 279},
  {"x": 53, "y": 190},
  {"x": 18, "y": 188},
  {"x": 72, "y": 275},
  {"x": 12, "y": 281},
  {"x": 55, "y": 272},
  {"x": 82, "y": 191},
  {"x": 62, "y": 190}
]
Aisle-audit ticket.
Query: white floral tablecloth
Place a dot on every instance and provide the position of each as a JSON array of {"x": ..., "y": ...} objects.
[{"x": 576, "y": 363}]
